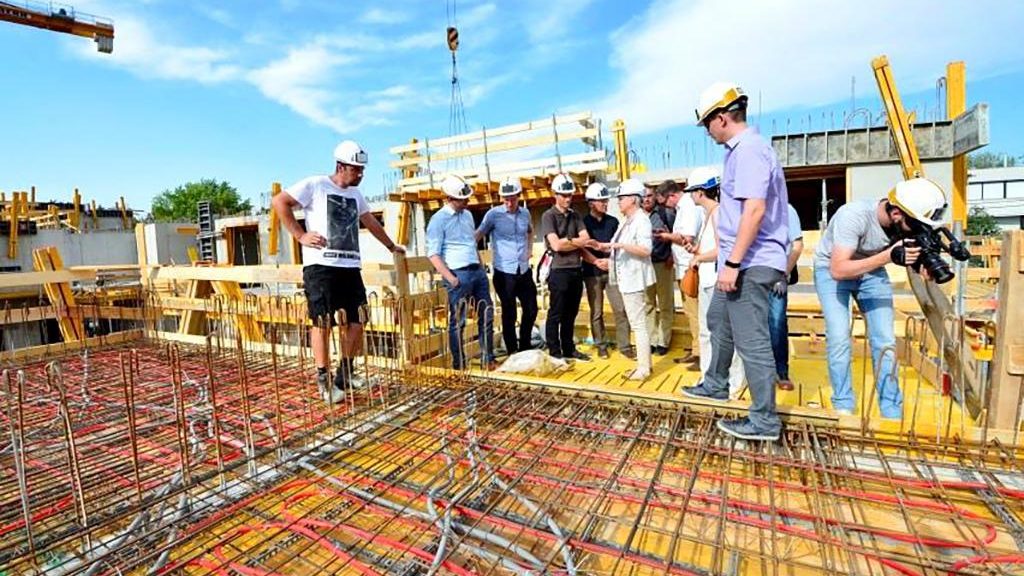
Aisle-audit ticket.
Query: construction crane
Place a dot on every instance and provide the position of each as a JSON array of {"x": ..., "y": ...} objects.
[{"x": 61, "y": 18}]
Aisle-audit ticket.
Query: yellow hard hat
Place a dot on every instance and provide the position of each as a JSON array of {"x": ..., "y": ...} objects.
[{"x": 717, "y": 96}]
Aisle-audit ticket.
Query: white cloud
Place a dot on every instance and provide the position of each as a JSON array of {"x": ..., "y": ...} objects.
[
  {"x": 298, "y": 81},
  {"x": 550, "y": 22},
  {"x": 218, "y": 15},
  {"x": 151, "y": 55},
  {"x": 476, "y": 16},
  {"x": 382, "y": 16},
  {"x": 796, "y": 53}
]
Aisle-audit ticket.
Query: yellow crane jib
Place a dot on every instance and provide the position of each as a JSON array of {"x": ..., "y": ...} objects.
[{"x": 61, "y": 18}]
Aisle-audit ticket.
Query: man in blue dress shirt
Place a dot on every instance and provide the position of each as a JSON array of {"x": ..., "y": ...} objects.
[
  {"x": 509, "y": 228},
  {"x": 451, "y": 248}
]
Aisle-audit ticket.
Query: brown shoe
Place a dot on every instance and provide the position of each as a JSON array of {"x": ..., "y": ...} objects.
[
  {"x": 492, "y": 366},
  {"x": 629, "y": 353},
  {"x": 785, "y": 385}
]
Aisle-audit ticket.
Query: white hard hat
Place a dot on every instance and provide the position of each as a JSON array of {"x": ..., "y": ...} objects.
[
  {"x": 348, "y": 152},
  {"x": 717, "y": 96},
  {"x": 563, "y": 184},
  {"x": 703, "y": 178},
  {"x": 631, "y": 187},
  {"x": 597, "y": 191},
  {"x": 510, "y": 187},
  {"x": 921, "y": 199},
  {"x": 455, "y": 187}
]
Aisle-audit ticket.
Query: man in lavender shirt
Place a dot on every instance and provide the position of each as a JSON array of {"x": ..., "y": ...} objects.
[{"x": 753, "y": 235}]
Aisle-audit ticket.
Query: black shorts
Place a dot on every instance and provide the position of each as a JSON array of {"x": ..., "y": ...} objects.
[{"x": 329, "y": 289}]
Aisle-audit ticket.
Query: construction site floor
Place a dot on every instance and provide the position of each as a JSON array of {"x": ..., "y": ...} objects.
[{"x": 151, "y": 457}]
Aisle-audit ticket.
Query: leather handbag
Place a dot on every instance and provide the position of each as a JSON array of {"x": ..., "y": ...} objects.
[
  {"x": 691, "y": 279},
  {"x": 691, "y": 282}
]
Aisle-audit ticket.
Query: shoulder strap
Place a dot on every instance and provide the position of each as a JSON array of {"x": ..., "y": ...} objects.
[{"x": 704, "y": 227}]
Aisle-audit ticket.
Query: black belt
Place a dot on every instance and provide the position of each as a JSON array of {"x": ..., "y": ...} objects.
[{"x": 467, "y": 268}]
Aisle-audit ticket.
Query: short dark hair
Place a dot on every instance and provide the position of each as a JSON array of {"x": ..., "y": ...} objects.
[
  {"x": 712, "y": 193},
  {"x": 667, "y": 187},
  {"x": 737, "y": 115}
]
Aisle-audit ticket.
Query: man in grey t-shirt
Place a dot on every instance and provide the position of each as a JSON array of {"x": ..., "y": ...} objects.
[{"x": 862, "y": 238}]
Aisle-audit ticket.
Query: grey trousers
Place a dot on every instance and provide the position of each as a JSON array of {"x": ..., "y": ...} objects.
[
  {"x": 739, "y": 321},
  {"x": 597, "y": 287}
]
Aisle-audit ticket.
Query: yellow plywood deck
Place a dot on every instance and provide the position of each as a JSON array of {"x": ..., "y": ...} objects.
[{"x": 926, "y": 410}]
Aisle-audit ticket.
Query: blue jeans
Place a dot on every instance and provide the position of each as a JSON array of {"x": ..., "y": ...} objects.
[
  {"x": 873, "y": 294},
  {"x": 472, "y": 291},
  {"x": 778, "y": 327}
]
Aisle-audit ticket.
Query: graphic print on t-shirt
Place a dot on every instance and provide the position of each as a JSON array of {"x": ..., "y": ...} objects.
[{"x": 342, "y": 227}]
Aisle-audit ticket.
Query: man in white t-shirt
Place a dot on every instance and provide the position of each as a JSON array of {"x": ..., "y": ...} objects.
[
  {"x": 333, "y": 207},
  {"x": 684, "y": 231}
]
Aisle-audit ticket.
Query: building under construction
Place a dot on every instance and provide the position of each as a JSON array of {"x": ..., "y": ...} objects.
[{"x": 165, "y": 417}]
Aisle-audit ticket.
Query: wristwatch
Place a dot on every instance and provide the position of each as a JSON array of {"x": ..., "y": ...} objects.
[{"x": 731, "y": 264}]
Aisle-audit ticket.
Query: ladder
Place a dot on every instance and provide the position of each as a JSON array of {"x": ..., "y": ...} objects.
[{"x": 207, "y": 236}]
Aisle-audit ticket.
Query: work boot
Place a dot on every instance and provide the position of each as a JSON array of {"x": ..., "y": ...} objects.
[
  {"x": 322, "y": 380},
  {"x": 602, "y": 351}
]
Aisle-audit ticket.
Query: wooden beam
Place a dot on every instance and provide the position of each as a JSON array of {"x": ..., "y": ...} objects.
[
  {"x": 416, "y": 146},
  {"x": 275, "y": 223},
  {"x": 956, "y": 104},
  {"x": 264, "y": 273},
  {"x": 1004, "y": 396},
  {"x": 57, "y": 349},
  {"x": 60, "y": 295}
]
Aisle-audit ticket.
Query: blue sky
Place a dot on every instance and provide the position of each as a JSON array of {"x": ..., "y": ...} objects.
[{"x": 253, "y": 92}]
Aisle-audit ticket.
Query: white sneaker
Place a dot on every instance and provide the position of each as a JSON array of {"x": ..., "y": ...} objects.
[
  {"x": 334, "y": 395},
  {"x": 843, "y": 411},
  {"x": 357, "y": 382}
]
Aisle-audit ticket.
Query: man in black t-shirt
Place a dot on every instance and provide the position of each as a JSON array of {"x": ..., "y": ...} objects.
[
  {"x": 601, "y": 227},
  {"x": 566, "y": 237}
]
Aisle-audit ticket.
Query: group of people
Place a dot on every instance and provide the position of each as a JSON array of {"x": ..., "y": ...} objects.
[{"x": 733, "y": 226}]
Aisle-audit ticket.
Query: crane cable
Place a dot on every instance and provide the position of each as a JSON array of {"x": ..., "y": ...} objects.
[{"x": 456, "y": 110}]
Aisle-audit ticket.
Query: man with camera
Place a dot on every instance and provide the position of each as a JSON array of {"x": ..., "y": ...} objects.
[{"x": 862, "y": 238}]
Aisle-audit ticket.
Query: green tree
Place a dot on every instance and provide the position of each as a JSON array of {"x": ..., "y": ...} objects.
[
  {"x": 181, "y": 202},
  {"x": 981, "y": 223},
  {"x": 991, "y": 160}
]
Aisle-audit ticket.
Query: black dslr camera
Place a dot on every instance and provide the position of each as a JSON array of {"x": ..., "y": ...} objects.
[{"x": 933, "y": 242}]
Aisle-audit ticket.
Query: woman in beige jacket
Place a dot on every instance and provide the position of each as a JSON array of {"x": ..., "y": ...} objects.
[{"x": 631, "y": 268}]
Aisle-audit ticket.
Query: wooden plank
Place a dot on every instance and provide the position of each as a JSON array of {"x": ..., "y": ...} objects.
[
  {"x": 264, "y": 273},
  {"x": 17, "y": 279},
  {"x": 275, "y": 222},
  {"x": 56, "y": 350},
  {"x": 493, "y": 148},
  {"x": 570, "y": 162},
  {"x": 59, "y": 293},
  {"x": 417, "y": 146},
  {"x": 1008, "y": 360}
]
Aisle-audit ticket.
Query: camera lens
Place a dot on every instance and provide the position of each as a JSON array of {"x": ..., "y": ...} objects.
[{"x": 936, "y": 266}]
